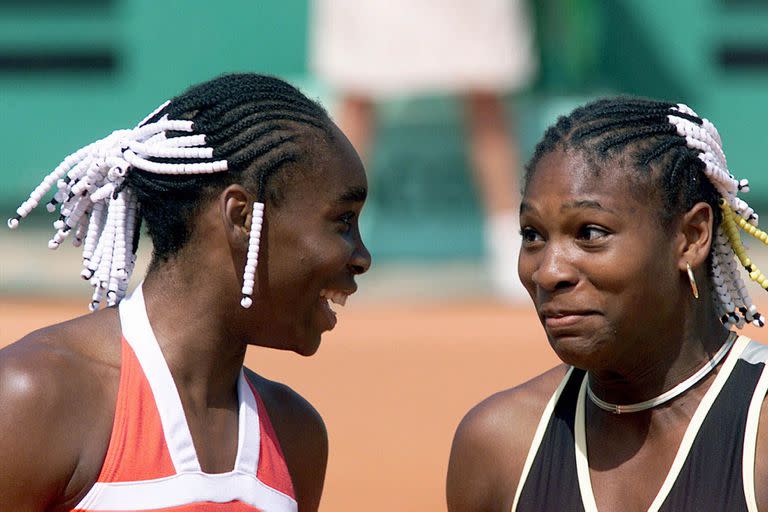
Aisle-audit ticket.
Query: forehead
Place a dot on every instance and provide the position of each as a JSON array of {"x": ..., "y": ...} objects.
[
  {"x": 563, "y": 176},
  {"x": 330, "y": 169}
]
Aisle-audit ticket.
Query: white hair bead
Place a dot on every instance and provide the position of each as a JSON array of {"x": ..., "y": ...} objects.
[
  {"x": 103, "y": 192},
  {"x": 186, "y": 141},
  {"x": 80, "y": 231},
  {"x": 732, "y": 295},
  {"x": 163, "y": 168},
  {"x": 162, "y": 125},
  {"x": 169, "y": 151},
  {"x": 158, "y": 138},
  {"x": 95, "y": 204},
  {"x": 155, "y": 112},
  {"x": 252, "y": 258}
]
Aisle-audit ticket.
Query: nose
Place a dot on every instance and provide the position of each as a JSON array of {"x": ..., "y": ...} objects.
[
  {"x": 553, "y": 269},
  {"x": 360, "y": 261}
]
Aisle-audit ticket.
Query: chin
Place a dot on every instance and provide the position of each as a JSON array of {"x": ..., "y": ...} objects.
[
  {"x": 307, "y": 346},
  {"x": 574, "y": 350},
  {"x": 306, "y": 352}
]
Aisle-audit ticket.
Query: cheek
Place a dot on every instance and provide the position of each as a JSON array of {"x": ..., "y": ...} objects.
[
  {"x": 638, "y": 281},
  {"x": 314, "y": 261},
  {"x": 525, "y": 267}
]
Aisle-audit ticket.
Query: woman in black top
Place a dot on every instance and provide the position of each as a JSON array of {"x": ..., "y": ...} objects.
[{"x": 631, "y": 254}]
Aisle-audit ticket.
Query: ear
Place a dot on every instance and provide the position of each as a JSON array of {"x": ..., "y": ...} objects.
[
  {"x": 695, "y": 235},
  {"x": 236, "y": 208}
]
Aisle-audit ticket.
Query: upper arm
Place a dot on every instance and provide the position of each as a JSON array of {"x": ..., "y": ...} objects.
[
  {"x": 492, "y": 443},
  {"x": 303, "y": 440},
  {"x": 475, "y": 467},
  {"x": 38, "y": 455}
]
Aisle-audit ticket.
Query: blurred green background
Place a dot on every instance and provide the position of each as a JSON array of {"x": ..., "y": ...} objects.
[{"x": 72, "y": 71}]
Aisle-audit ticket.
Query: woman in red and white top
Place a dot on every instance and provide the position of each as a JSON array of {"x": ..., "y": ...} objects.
[{"x": 251, "y": 196}]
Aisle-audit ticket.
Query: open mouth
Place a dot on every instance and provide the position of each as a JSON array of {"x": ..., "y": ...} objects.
[{"x": 327, "y": 296}]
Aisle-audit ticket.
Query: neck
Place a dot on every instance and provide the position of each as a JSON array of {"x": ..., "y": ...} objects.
[
  {"x": 664, "y": 360},
  {"x": 192, "y": 328}
]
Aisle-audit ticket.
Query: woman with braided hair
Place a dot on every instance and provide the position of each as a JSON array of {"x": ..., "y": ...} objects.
[
  {"x": 631, "y": 253},
  {"x": 251, "y": 196}
]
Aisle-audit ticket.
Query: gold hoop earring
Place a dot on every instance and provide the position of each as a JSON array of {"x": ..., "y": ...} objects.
[{"x": 692, "y": 279}]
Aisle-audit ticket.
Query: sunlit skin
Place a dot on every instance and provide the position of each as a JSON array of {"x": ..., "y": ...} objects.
[
  {"x": 608, "y": 282},
  {"x": 317, "y": 235},
  {"x": 603, "y": 277},
  {"x": 58, "y": 386}
]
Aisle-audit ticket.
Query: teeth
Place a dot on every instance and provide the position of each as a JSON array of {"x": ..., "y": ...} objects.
[
  {"x": 334, "y": 296},
  {"x": 339, "y": 299}
]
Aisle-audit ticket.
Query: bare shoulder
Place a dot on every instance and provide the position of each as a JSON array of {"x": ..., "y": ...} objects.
[
  {"x": 53, "y": 387},
  {"x": 491, "y": 444},
  {"x": 286, "y": 407},
  {"x": 302, "y": 435}
]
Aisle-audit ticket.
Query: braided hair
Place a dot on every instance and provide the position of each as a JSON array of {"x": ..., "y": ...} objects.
[
  {"x": 677, "y": 155},
  {"x": 237, "y": 128}
]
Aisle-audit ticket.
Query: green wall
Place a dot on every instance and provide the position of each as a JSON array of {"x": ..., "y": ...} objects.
[
  {"x": 158, "y": 48},
  {"x": 712, "y": 53}
]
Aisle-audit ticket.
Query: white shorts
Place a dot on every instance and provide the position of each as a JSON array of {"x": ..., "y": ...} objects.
[{"x": 391, "y": 47}]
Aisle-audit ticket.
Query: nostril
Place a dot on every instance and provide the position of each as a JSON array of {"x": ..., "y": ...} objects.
[{"x": 360, "y": 261}]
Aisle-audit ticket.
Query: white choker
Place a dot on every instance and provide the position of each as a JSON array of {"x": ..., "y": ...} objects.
[{"x": 667, "y": 395}]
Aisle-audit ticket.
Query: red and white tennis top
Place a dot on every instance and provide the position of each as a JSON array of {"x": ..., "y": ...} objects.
[{"x": 151, "y": 462}]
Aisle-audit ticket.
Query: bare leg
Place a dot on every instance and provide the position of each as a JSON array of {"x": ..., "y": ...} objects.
[
  {"x": 356, "y": 117},
  {"x": 495, "y": 158},
  {"x": 494, "y": 153}
]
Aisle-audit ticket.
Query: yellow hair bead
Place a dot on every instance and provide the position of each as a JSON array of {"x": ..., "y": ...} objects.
[
  {"x": 730, "y": 225},
  {"x": 731, "y": 220}
]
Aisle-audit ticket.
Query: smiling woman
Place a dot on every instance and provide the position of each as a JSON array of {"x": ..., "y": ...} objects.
[
  {"x": 629, "y": 223},
  {"x": 251, "y": 196}
]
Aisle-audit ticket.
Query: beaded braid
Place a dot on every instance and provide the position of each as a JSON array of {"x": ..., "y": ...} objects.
[
  {"x": 244, "y": 125},
  {"x": 686, "y": 146}
]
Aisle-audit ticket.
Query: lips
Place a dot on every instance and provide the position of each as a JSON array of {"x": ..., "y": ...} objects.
[
  {"x": 336, "y": 296},
  {"x": 554, "y": 319},
  {"x": 327, "y": 296}
]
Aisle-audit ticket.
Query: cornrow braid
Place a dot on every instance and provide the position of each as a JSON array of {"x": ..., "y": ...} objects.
[
  {"x": 236, "y": 128},
  {"x": 687, "y": 151}
]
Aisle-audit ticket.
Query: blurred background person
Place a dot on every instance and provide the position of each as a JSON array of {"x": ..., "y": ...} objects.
[
  {"x": 99, "y": 62},
  {"x": 371, "y": 50}
]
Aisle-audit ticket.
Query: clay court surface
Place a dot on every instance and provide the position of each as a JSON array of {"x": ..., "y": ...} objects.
[{"x": 392, "y": 381}]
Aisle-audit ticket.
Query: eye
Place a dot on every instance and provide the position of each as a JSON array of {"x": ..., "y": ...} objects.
[
  {"x": 346, "y": 220},
  {"x": 530, "y": 235},
  {"x": 592, "y": 233}
]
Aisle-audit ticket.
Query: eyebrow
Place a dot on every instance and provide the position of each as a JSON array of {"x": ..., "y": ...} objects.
[
  {"x": 353, "y": 195},
  {"x": 584, "y": 203}
]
